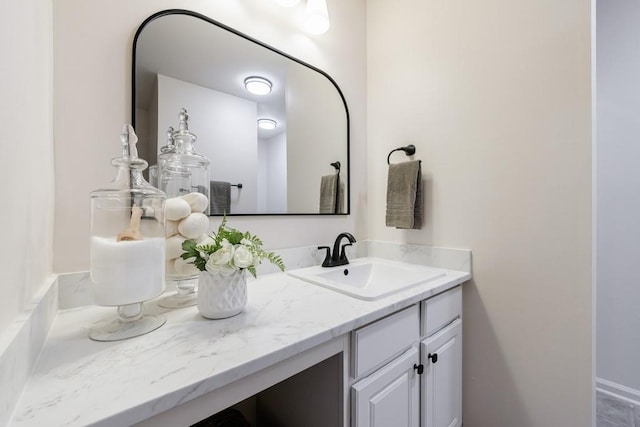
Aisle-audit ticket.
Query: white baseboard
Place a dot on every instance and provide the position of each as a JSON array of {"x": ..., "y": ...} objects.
[{"x": 618, "y": 391}]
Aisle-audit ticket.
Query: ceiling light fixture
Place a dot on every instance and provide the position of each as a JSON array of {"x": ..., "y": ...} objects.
[
  {"x": 287, "y": 3},
  {"x": 266, "y": 124},
  {"x": 316, "y": 17},
  {"x": 257, "y": 85}
]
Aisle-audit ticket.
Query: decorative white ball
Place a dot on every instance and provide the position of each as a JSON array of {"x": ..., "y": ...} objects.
[
  {"x": 174, "y": 246},
  {"x": 170, "y": 267},
  {"x": 185, "y": 268},
  {"x": 197, "y": 201},
  {"x": 194, "y": 225},
  {"x": 171, "y": 228},
  {"x": 176, "y": 208}
]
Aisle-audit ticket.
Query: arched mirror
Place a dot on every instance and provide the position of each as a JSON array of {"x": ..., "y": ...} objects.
[{"x": 182, "y": 59}]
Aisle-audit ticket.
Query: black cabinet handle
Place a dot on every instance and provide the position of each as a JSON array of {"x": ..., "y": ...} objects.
[
  {"x": 433, "y": 357},
  {"x": 419, "y": 368}
]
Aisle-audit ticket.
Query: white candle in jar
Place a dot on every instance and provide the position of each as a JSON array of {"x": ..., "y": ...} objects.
[{"x": 128, "y": 271}]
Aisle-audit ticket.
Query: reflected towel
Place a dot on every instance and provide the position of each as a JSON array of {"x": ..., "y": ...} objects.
[
  {"x": 220, "y": 198},
  {"x": 404, "y": 195},
  {"x": 328, "y": 196}
]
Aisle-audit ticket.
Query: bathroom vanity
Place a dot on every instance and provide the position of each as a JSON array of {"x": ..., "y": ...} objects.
[{"x": 299, "y": 354}]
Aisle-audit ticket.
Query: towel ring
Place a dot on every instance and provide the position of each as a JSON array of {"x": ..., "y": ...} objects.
[{"x": 409, "y": 150}]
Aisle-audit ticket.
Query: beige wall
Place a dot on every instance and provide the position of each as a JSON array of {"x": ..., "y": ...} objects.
[
  {"x": 26, "y": 114},
  {"x": 92, "y": 82},
  {"x": 496, "y": 97},
  {"x": 501, "y": 119}
]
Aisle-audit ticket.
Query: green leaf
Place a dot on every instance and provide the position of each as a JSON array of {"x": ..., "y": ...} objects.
[
  {"x": 252, "y": 270},
  {"x": 192, "y": 251},
  {"x": 234, "y": 237}
]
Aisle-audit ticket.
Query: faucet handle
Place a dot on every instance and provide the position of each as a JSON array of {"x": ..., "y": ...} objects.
[{"x": 327, "y": 258}]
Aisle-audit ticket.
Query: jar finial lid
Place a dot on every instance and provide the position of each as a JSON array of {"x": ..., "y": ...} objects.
[
  {"x": 129, "y": 158},
  {"x": 170, "y": 132},
  {"x": 129, "y": 140},
  {"x": 184, "y": 119}
]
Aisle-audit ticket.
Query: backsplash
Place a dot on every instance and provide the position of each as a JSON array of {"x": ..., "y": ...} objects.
[
  {"x": 20, "y": 346},
  {"x": 74, "y": 287},
  {"x": 451, "y": 259}
]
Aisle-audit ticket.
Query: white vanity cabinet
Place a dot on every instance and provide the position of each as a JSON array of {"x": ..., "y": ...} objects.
[
  {"x": 407, "y": 368},
  {"x": 390, "y": 396},
  {"x": 385, "y": 357},
  {"x": 441, "y": 381},
  {"x": 441, "y": 356}
]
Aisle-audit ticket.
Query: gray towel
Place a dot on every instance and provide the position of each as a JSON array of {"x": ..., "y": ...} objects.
[
  {"x": 328, "y": 185},
  {"x": 220, "y": 200},
  {"x": 404, "y": 195}
]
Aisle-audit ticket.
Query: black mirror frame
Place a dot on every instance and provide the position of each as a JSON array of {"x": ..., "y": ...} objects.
[{"x": 266, "y": 46}]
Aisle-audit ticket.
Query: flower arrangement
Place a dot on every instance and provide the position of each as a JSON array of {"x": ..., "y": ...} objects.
[{"x": 228, "y": 251}]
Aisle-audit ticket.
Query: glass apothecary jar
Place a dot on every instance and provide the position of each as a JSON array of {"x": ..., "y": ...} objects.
[
  {"x": 183, "y": 174},
  {"x": 182, "y": 170},
  {"x": 127, "y": 249}
]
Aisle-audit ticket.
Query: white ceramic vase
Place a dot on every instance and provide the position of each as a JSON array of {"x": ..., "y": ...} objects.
[{"x": 221, "y": 296}]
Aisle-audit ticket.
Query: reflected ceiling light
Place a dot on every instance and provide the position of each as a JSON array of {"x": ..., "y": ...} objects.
[
  {"x": 267, "y": 124},
  {"x": 316, "y": 17},
  {"x": 287, "y": 3},
  {"x": 257, "y": 85}
]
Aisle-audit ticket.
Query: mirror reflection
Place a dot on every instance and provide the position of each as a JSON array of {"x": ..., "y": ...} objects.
[{"x": 274, "y": 128}]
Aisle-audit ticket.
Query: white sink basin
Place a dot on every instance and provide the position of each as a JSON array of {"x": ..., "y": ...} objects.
[{"x": 369, "y": 278}]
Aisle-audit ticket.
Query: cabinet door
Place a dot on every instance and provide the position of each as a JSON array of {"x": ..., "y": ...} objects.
[
  {"x": 441, "y": 381},
  {"x": 390, "y": 396}
]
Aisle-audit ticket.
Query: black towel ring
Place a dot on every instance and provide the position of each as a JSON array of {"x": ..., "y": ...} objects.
[{"x": 409, "y": 150}]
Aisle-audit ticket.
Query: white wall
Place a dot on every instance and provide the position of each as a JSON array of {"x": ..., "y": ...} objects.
[
  {"x": 93, "y": 59},
  {"x": 226, "y": 130},
  {"x": 272, "y": 174},
  {"x": 496, "y": 97},
  {"x": 618, "y": 204},
  {"x": 312, "y": 145},
  {"x": 26, "y": 85}
]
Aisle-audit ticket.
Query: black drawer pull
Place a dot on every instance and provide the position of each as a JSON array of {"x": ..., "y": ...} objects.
[
  {"x": 419, "y": 368},
  {"x": 433, "y": 357}
]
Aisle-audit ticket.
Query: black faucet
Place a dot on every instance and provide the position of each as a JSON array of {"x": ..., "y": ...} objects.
[{"x": 333, "y": 259}]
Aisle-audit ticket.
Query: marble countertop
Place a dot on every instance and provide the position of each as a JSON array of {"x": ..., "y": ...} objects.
[{"x": 78, "y": 382}]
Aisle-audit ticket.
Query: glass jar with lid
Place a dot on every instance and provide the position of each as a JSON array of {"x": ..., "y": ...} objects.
[
  {"x": 182, "y": 170},
  {"x": 127, "y": 248},
  {"x": 183, "y": 173}
]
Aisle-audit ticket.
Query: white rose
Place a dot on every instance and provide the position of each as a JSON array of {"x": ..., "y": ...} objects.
[
  {"x": 246, "y": 242},
  {"x": 219, "y": 258},
  {"x": 226, "y": 245},
  {"x": 222, "y": 269},
  {"x": 242, "y": 257},
  {"x": 227, "y": 270}
]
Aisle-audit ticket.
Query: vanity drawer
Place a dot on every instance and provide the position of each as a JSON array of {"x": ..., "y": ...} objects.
[
  {"x": 441, "y": 310},
  {"x": 377, "y": 343}
]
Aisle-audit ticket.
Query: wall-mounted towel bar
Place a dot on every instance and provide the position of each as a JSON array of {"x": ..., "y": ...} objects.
[
  {"x": 409, "y": 150},
  {"x": 237, "y": 185}
]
